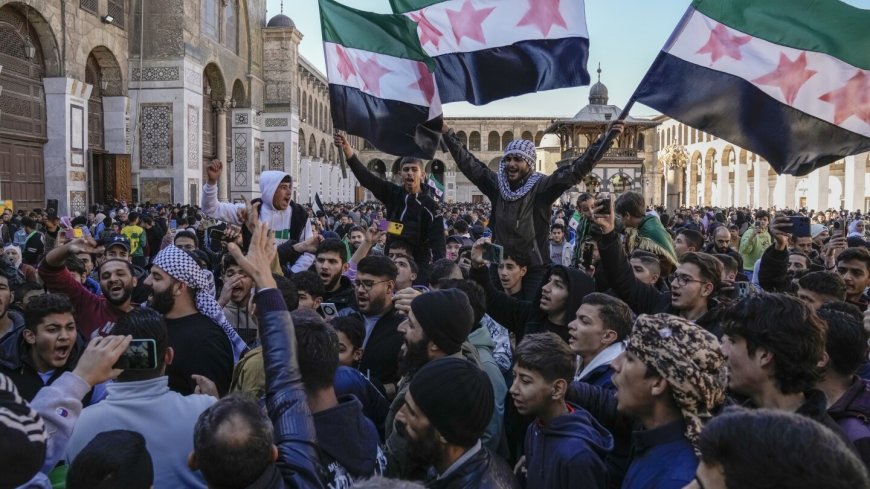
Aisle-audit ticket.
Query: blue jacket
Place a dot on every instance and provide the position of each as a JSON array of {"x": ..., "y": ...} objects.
[
  {"x": 569, "y": 451},
  {"x": 349, "y": 443},
  {"x": 286, "y": 403},
  {"x": 601, "y": 376},
  {"x": 349, "y": 381},
  {"x": 662, "y": 458}
]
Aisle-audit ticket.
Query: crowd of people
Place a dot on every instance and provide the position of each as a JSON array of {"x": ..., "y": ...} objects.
[{"x": 408, "y": 342}]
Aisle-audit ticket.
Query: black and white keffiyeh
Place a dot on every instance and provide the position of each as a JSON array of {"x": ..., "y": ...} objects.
[
  {"x": 181, "y": 266},
  {"x": 526, "y": 150}
]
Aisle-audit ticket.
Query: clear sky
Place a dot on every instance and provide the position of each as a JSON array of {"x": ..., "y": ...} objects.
[{"x": 624, "y": 36}]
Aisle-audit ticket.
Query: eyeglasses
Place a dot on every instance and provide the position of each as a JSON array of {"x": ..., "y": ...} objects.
[
  {"x": 367, "y": 284},
  {"x": 683, "y": 280}
]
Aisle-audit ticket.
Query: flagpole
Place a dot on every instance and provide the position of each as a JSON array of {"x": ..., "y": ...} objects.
[{"x": 610, "y": 133}]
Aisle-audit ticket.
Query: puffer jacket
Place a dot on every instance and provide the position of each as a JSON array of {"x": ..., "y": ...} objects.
[
  {"x": 293, "y": 425},
  {"x": 423, "y": 223},
  {"x": 482, "y": 471},
  {"x": 522, "y": 226}
]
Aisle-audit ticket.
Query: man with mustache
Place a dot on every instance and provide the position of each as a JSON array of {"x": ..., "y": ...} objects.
[
  {"x": 93, "y": 313},
  {"x": 522, "y": 198}
]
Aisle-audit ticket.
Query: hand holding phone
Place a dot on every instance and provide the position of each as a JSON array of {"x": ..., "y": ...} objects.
[
  {"x": 493, "y": 253},
  {"x": 329, "y": 310},
  {"x": 140, "y": 355}
]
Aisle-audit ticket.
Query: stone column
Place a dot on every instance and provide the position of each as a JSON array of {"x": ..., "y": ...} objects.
[
  {"x": 817, "y": 188},
  {"x": 855, "y": 189},
  {"x": 722, "y": 185},
  {"x": 784, "y": 191},
  {"x": 708, "y": 184},
  {"x": 64, "y": 151},
  {"x": 224, "y": 184},
  {"x": 741, "y": 184},
  {"x": 761, "y": 182}
]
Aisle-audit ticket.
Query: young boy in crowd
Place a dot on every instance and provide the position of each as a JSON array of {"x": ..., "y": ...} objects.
[
  {"x": 351, "y": 333},
  {"x": 565, "y": 446}
]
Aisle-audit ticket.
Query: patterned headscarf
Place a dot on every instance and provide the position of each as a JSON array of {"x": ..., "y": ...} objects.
[
  {"x": 526, "y": 150},
  {"x": 689, "y": 358},
  {"x": 182, "y": 267}
]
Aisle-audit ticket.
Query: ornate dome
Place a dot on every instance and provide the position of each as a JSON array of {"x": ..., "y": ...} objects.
[
  {"x": 598, "y": 92},
  {"x": 281, "y": 20}
]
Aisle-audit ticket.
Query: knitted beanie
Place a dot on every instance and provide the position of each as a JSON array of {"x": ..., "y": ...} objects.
[
  {"x": 445, "y": 316},
  {"x": 457, "y": 398}
]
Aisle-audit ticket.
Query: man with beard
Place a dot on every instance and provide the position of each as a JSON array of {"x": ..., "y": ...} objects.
[
  {"x": 447, "y": 407},
  {"x": 374, "y": 287},
  {"x": 437, "y": 325},
  {"x": 95, "y": 314},
  {"x": 331, "y": 264},
  {"x": 356, "y": 237},
  {"x": 409, "y": 204},
  {"x": 722, "y": 245},
  {"x": 10, "y": 320},
  {"x": 522, "y": 198},
  {"x": 204, "y": 342}
]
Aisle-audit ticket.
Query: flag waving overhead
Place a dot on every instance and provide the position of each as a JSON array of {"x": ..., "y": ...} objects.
[
  {"x": 491, "y": 49},
  {"x": 786, "y": 79},
  {"x": 381, "y": 85}
]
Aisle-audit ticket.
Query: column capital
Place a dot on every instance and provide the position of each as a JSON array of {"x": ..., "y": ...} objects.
[{"x": 222, "y": 106}]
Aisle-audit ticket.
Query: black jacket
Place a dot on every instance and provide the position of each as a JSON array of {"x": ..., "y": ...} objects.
[
  {"x": 419, "y": 213},
  {"x": 522, "y": 226},
  {"x": 525, "y": 317},
  {"x": 482, "y": 471},
  {"x": 344, "y": 296},
  {"x": 348, "y": 443},
  {"x": 380, "y": 360}
]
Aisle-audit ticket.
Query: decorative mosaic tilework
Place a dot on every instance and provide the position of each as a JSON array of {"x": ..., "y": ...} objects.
[
  {"x": 276, "y": 122},
  {"x": 276, "y": 156},
  {"x": 157, "y": 73},
  {"x": 156, "y": 140},
  {"x": 193, "y": 136}
]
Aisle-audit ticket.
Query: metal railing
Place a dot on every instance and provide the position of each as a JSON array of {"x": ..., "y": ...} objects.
[{"x": 612, "y": 153}]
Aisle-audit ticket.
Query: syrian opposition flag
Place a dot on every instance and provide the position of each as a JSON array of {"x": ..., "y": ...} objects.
[
  {"x": 786, "y": 79},
  {"x": 436, "y": 185},
  {"x": 318, "y": 205},
  {"x": 491, "y": 49},
  {"x": 381, "y": 85}
]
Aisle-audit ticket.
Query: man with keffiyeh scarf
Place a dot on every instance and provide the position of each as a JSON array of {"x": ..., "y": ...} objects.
[{"x": 522, "y": 198}]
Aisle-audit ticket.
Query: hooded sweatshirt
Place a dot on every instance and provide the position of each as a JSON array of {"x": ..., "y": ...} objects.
[
  {"x": 279, "y": 221},
  {"x": 524, "y": 317},
  {"x": 569, "y": 451},
  {"x": 348, "y": 442}
]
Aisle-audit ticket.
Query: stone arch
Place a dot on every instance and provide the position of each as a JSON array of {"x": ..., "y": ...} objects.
[
  {"x": 312, "y": 146},
  {"x": 463, "y": 138},
  {"x": 322, "y": 152},
  {"x": 527, "y": 135},
  {"x": 493, "y": 142},
  {"x": 23, "y": 18},
  {"x": 474, "y": 141},
  {"x": 331, "y": 153},
  {"x": 109, "y": 72},
  {"x": 378, "y": 166},
  {"x": 506, "y": 138},
  {"x": 216, "y": 83},
  {"x": 539, "y": 136},
  {"x": 620, "y": 182},
  {"x": 302, "y": 145},
  {"x": 591, "y": 183},
  {"x": 494, "y": 163},
  {"x": 240, "y": 96},
  {"x": 303, "y": 106}
]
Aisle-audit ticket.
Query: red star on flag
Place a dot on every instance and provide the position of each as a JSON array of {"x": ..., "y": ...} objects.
[
  {"x": 789, "y": 76},
  {"x": 371, "y": 72},
  {"x": 345, "y": 65},
  {"x": 851, "y": 99},
  {"x": 468, "y": 22},
  {"x": 722, "y": 43},
  {"x": 425, "y": 83},
  {"x": 428, "y": 32},
  {"x": 543, "y": 14}
]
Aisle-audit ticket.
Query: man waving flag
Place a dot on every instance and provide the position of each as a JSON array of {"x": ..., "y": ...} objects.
[
  {"x": 786, "y": 79},
  {"x": 492, "y": 49},
  {"x": 381, "y": 85}
]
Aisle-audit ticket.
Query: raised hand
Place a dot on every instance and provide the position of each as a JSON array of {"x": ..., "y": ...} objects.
[
  {"x": 261, "y": 253},
  {"x": 213, "y": 171},
  {"x": 96, "y": 364},
  {"x": 602, "y": 214}
]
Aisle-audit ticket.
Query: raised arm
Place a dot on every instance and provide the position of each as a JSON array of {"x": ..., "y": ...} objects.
[
  {"x": 286, "y": 402},
  {"x": 475, "y": 170},
  {"x": 222, "y": 211},
  {"x": 567, "y": 176},
  {"x": 378, "y": 187}
]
